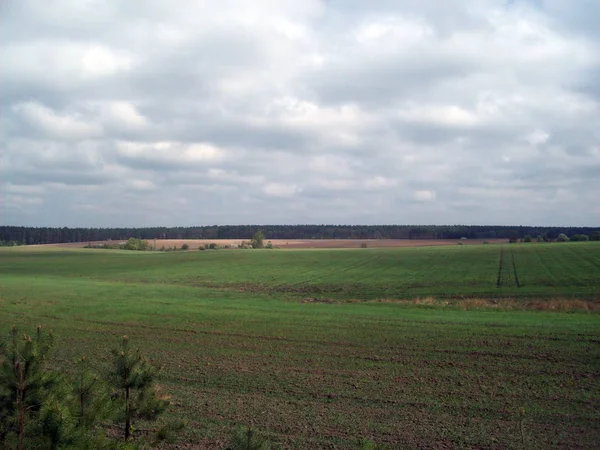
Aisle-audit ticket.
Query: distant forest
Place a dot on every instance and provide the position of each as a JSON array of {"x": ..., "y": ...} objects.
[{"x": 45, "y": 235}]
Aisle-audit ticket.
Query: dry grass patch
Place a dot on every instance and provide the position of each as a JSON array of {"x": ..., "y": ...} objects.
[{"x": 555, "y": 304}]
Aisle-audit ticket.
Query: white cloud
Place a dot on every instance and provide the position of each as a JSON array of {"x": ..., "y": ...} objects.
[
  {"x": 169, "y": 152},
  {"x": 380, "y": 182},
  {"x": 60, "y": 63},
  {"x": 142, "y": 185},
  {"x": 449, "y": 115},
  {"x": 280, "y": 190},
  {"x": 100, "y": 61},
  {"x": 537, "y": 137},
  {"x": 424, "y": 196},
  {"x": 122, "y": 114},
  {"x": 393, "y": 34}
]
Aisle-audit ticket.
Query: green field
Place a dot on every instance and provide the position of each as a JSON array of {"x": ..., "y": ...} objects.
[{"x": 313, "y": 346}]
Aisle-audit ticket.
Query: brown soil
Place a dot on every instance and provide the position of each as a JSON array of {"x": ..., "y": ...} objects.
[{"x": 299, "y": 243}]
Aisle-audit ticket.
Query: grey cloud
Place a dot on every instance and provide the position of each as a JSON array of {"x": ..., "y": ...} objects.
[
  {"x": 148, "y": 113},
  {"x": 38, "y": 177},
  {"x": 381, "y": 81}
]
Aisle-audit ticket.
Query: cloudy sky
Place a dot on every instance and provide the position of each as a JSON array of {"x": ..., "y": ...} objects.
[{"x": 156, "y": 112}]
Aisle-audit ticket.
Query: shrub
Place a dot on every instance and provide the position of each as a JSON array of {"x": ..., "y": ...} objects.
[
  {"x": 580, "y": 237},
  {"x": 212, "y": 246},
  {"x": 562, "y": 238},
  {"x": 486, "y": 242},
  {"x": 136, "y": 244},
  {"x": 527, "y": 238},
  {"x": 13, "y": 244},
  {"x": 185, "y": 247},
  {"x": 104, "y": 246},
  {"x": 201, "y": 248},
  {"x": 363, "y": 245},
  {"x": 269, "y": 245},
  {"x": 258, "y": 240}
]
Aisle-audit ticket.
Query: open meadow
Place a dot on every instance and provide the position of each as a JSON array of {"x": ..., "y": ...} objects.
[{"x": 432, "y": 347}]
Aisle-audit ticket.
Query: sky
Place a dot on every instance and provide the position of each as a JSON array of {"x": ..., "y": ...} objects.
[{"x": 179, "y": 113}]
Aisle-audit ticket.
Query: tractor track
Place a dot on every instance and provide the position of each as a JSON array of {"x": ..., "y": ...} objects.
[
  {"x": 499, "y": 280},
  {"x": 514, "y": 265}
]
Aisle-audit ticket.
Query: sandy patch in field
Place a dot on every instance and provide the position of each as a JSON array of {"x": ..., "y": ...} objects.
[{"x": 194, "y": 244}]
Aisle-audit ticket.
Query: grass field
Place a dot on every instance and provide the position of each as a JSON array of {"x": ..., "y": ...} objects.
[{"x": 240, "y": 343}]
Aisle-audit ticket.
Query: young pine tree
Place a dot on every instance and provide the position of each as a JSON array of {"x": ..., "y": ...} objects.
[
  {"x": 90, "y": 404},
  {"x": 91, "y": 396},
  {"x": 34, "y": 410},
  {"x": 132, "y": 376}
]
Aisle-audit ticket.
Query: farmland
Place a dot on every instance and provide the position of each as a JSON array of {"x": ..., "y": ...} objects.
[
  {"x": 409, "y": 347},
  {"x": 194, "y": 244}
]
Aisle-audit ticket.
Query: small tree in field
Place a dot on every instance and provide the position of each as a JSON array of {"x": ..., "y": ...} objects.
[
  {"x": 92, "y": 400},
  {"x": 136, "y": 244},
  {"x": 24, "y": 386},
  {"x": 258, "y": 240},
  {"x": 38, "y": 409},
  {"x": 132, "y": 376}
]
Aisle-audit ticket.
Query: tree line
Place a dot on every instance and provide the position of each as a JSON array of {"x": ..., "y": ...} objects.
[{"x": 14, "y": 235}]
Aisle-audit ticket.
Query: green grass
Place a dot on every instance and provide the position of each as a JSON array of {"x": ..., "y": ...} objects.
[
  {"x": 525, "y": 270},
  {"x": 237, "y": 347}
]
